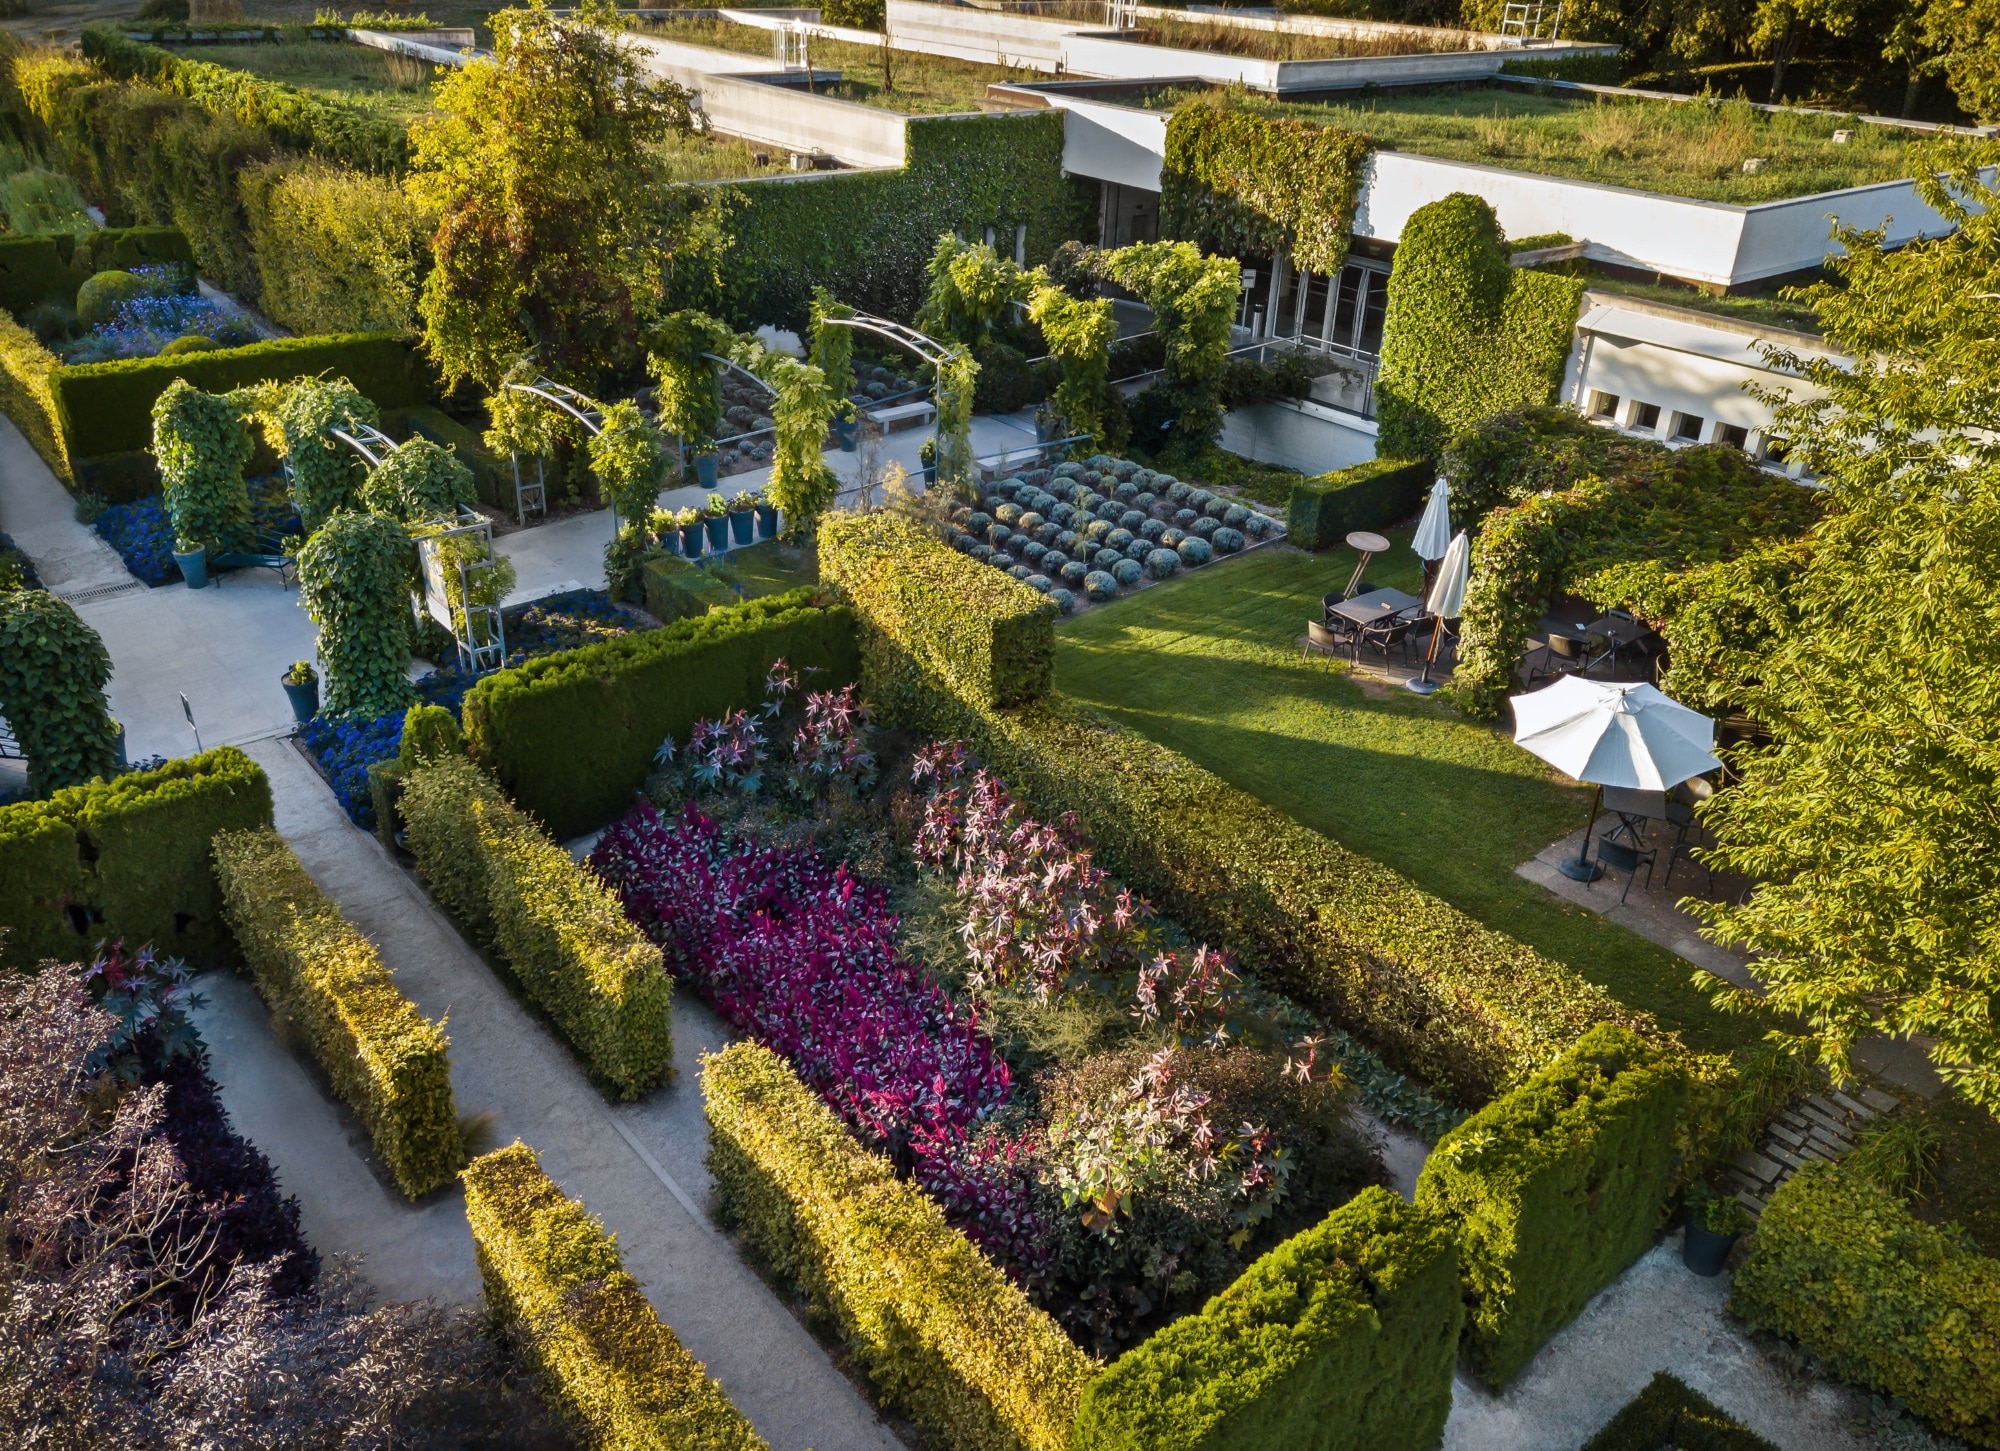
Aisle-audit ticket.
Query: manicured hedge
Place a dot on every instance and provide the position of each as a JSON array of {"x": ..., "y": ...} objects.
[
  {"x": 563, "y": 935},
  {"x": 1840, "y": 1265},
  {"x": 38, "y": 269},
  {"x": 1445, "y": 998},
  {"x": 1667, "y": 1414},
  {"x": 572, "y": 736},
  {"x": 492, "y": 477},
  {"x": 676, "y": 589},
  {"x": 383, "y": 1057},
  {"x": 945, "y": 1336},
  {"x": 41, "y": 877},
  {"x": 1344, "y": 1336},
  {"x": 996, "y": 642},
  {"x": 603, "y": 1357},
  {"x": 26, "y": 397},
  {"x": 1556, "y": 1188},
  {"x": 1374, "y": 495}
]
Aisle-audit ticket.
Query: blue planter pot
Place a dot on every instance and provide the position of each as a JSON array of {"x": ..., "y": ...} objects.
[
  {"x": 705, "y": 465},
  {"x": 930, "y": 475},
  {"x": 691, "y": 541},
  {"x": 304, "y": 698},
  {"x": 124, "y": 760},
  {"x": 767, "y": 522},
  {"x": 845, "y": 431},
  {"x": 718, "y": 534},
  {"x": 193, "y": 568},
  {"x": 740, "y": 525},
  {"x": 1703, "y": 1250},
  {"x": 671, "y": 541}
]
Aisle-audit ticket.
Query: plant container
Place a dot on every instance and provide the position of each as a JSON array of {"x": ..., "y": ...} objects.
[
  {"x": 767, "y": 522},
  {"x": 193, "y": 567},
  {"x": 691, "y": 540},
  {"x": 718, "y": 533},
  {"x": 304, "y": 697},
  {"x": 705, "y": 466},
  {"x": 1703, "y": 1250},
  {"x": 740, "y": 525},
  {"x": 671, "y": 540},
  {"x": 930, "y": 475},
  {"x": 845, "y": 431},
  {"x": 124, "y": 758}
]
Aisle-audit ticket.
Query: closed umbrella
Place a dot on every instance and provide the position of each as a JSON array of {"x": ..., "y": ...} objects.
[
  {"x": 1608, "y": 734},
  {"x": 1433, "y": 536},
  {"x": 1445, "y": 601}
]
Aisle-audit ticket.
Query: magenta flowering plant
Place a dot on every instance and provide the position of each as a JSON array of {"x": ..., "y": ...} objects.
[{"x": 830, "y": 746}]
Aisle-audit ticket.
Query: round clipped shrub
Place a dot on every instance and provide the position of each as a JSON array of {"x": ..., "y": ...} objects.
[
  {"x": 1099, "y": 585},
  {"x": 1139, "y": 548},
  {"x": 1001, "y": 559},
  {"x": 1020, "y": 572},
  {"x": 1124, "y": 468},
  {"x": 1146, "y": 503},
  {"x": 188, "y": 343},
  {"x": 1118, "y": 538},
  {"x": 101, "y": 295},
  {"x": 1039, "y": 582},
  {"x": 1165, "y": 481},
  {"x": 1029, "y": 522},
  {"x": 1068, "y": 470},
  {"x": 1105, "y": 558},
  {"x": 1049, "y": 533},
  {"x": 1017, "y": 541},
  {"x": 1145, "y": 478},
  {"x": 1109, "y": 510},
  {"x": 1062, "y": 513},
  {"x": 1235, "y": 515},
  {"x": 1151, "y": 530},
  {"x": 1067, "y": 540},
  {"x": 1162, "y": 562},
  {"x": 1218, "y": 509},
  {"x": 1090, "y": 478},
  {"x": 1032, "y": 551},
  {"x": 1126, "y": 491},
  {"x": 1064, "y": 600},
  {"x": 979, "y": 523},
  {"x": 997, "y": 533},
  {"x": 1074, "y": 573},
  {"x": 1096, "y": 530},
  {"x": 1009, "y": 513},
  {"x": 1198, "y": 499},
  {"x": 1130, "y": 520},
  {"x": 1127, "y": 571},
  {"x": 1171, "y": 538},
  {"x": 1185, "y": 518},
  {"x": 1177, "y": 493},
  {"x": 983, "y": 553},
  {"x": 1226, "y": 540},
  {"x": 1256, "y": 525},
  {"x": 963, "y": 542},
  {"x": 1205, "y": 527},
  {"x": 1053, "y": 560},
  {"x": 1194, "y": 551}
]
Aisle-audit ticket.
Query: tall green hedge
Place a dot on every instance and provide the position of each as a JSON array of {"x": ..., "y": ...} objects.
[
  {"x": 26, "y": 397},
  {"x": 1555, "y": 1188},
  {"x": 553, "y": 1275},
  {"x": 1668, "y": 1414},
  {"x": 1343, "y": 1338},
  {"x": 1325, "y": 509},
  {"x": 41, "y": 878},
  {"x": 1465, "y": 335},
  {"x": 572, "y": 736},
  {"x": 1447, "y": 999},
  {"x": 39, "y": 269},
  {"x": 867, "y": 236},
  {"x": 1840, "y": 1265}
]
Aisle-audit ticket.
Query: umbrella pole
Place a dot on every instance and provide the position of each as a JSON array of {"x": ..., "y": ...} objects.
[
  {"x": 1423, "y": 684},
  {"x": 1583, "y": 869}
]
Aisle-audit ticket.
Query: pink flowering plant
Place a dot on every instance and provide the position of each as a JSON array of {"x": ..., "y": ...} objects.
[{"x": 737, "y": 755}]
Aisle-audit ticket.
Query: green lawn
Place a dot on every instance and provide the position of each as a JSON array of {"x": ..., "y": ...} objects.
[
  {"x": 1208, "y": 664},
  {"x": 397, "y": 87}
]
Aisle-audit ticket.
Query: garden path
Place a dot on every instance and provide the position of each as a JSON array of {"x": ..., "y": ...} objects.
[
  {"x": 636, "y": 1166},
  {"x": 37, "y": 510}
]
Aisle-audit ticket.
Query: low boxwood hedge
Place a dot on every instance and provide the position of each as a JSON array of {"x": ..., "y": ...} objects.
[
  {"x": 38, "y": 269},
  {"x": 602, "y": 1355},
  {"x": 1668, "y": 1416},
  {"x": 41, "y": 879},
  {"x": 1840, "y": 1265},
  {"x": 676, "y": 589},
  {"x": 1374, "y": 495},
  {"x": 310, "y": 963},
  {"x": 945, "y": 1336},
  {"x": 1344, "y": 1336},
  {"x": 573, "y": 736},
  {"x": 565, "y": 938},
  {"x": 1554, "y": 1189}
]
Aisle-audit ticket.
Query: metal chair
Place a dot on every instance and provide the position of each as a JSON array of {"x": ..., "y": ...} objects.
[
  {"x": 1561, "y": 655},
  {"x": 1620, "y": 857},
  {"x": 1680, "y": 813},
  {"x": 1322, "y": 641},
  {"x": 1390, "y": 635}
]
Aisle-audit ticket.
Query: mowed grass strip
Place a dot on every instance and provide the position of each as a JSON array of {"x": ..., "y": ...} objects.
[{"x": 1208, "y": 664}]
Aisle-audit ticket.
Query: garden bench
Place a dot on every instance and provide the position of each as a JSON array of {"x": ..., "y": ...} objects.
[{"x": 901, "y": 415}]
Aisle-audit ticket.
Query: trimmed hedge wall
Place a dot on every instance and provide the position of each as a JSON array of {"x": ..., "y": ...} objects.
[
  {"x": 1446, "y": 999},
  {"x": 1344, "y": 1336},
  {"x": 1556, "y": 1188},
  {"x": 1668, "y": 1414},
  {"x": 41, "y": 877},
  {"x": 944, "y": 1335},
  {"x": 572, "y": 736},
  {"x": 34, "y": 270},
  {"x": 383, "y": 1057},
  {"x": 1373, "y": 495},
  {"x": 1465, "y": 335},
  {"x": 26, "y": 397},
  {"x": 1840, "y": 1265},
  {"x": 563, "y": 935},
  {"x": 675, "y": 589},
  {"x": 492, "y": 476},
  {"x": 604, "y": 1359}
]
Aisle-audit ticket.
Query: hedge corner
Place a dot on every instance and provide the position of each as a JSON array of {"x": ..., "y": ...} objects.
[{"x": 1372, "y": 495}]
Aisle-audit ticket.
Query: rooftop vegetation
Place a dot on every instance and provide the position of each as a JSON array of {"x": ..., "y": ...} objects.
[
  {"x": 1219, "y": 37},
  {"x": 396, "y": 87}
]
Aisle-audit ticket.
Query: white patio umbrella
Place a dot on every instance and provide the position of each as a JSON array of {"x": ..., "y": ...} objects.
[
  {"x": 1445, "y": 601},
  {"x": 1609, "y": 734},
  {"x": 1433, "y": 536}
]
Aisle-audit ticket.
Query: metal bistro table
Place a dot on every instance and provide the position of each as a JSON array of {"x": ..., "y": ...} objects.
[
  {"x": 1618, "y": 632},
  {"x": 1377, "y": 607}
]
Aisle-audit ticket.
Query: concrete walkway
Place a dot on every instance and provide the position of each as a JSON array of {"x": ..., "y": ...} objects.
[
  {"x": 40, "y": 514},
  {"x": 637, "y": 1166}
]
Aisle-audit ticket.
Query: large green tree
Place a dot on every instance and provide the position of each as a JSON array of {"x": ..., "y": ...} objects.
[
  {"x": 1872, "y": 821},
  {"x": 558, "y": 224}
]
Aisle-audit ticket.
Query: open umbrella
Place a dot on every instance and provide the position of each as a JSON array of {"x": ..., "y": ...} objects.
[
  {"x": 1433, "y": 536},
  {"x": 1609, "y": 734},
  {"x": 1445, "y": 601}
]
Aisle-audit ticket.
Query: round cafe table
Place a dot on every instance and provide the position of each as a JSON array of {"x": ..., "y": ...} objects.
[{"x": 1367, "y": 545}]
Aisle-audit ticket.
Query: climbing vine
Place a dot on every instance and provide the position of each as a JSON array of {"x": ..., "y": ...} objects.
[
  {"x": 53, "y": 668},
  {"x": 1079, "y": 336},
  {"x": 1193, "y": 298},
  {"x": 354, "y": 582},
  {"x": 201, "y": 445},
  {"x": 520, "y": 422},
  {"x": 325, "y": 472},
  {"x": 957, "y": 377},
  {"x": 971, "y": 288},
  {"x": 419, "y": 482},
  {"x": 802, "y": 486},
  {"x": 488, "y": 578},
  {"x": 832, "y": 346},
  {"x": 690, "y": 402},
  {"x": 630, "y": 460}
]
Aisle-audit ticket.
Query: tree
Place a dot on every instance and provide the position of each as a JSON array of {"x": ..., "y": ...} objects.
[
  {"x": 556, "y": 215},
  {"x": 1871, "y": 823},
  {"x": 1780, "y": 28},
  {"x": 1966, "y": 36}
]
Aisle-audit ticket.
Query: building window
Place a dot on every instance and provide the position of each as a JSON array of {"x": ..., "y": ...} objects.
[
  {"x": 1603, "y": 405},
  {"x": 1687, "y": 427},
  {"x": 1342, "y": 314},
  {"x": 1733, "y": 435},
  {"x": 1646, "y": 417}
]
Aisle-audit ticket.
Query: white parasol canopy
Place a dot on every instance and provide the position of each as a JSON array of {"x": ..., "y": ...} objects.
[
  {"x": 1611, "y": 734},
  {"x": 1447, "y": 597},
  {"x": 1433, "y": 534}
]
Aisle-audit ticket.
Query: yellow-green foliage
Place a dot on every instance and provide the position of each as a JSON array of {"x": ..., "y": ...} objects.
[
  {"x": 383, "y": 1057},
  {"x": 338, "y": 250},
  {"x": 564, "y": 936},
  {"x": 41, "y": 876},
  {"x": 604, "y": 1358},
  {"x": 1556, "y": 1188},
  {"x": 1840, "y": 1265},
  {"x": 943, "y": 1334},
  {"x": 25, "y": 366}
]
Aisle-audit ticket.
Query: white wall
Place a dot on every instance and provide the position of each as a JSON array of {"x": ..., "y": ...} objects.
[
  {"x": 1121, "y": 144},
  {"x": 981, "y": 35},
  {"x": 1301, "y": 436}
]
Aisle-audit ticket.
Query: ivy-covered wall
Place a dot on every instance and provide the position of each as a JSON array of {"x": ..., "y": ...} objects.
[
  {"x": 1466, "y": 335},
  {"x": 1241, "y": 184},
  {"x": 867, "y": 236}
]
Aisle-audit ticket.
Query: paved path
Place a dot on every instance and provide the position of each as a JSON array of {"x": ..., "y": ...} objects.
[{"x": 637, "y": 1166}]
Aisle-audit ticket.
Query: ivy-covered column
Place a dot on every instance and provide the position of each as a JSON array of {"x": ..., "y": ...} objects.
[
  {"x": 53, "y": 669},
  {"x": 630, "y": 460},
  {"x": 354, "y": 581},
  {"x": 325, "y": 471},
  {"x": 201, "y": 445}
]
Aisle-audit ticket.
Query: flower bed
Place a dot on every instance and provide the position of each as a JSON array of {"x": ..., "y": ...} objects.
[{"x": 143, "y": 535}]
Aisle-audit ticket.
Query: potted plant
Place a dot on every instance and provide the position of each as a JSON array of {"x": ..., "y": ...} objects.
[
  {"x": 846, "y": 427},
  {"x": 716, "y": 518},
  {"x": 1048, "y": 424},
  {"x": 688, "y": 521},
  {"x": 740, "y": 517},
  {"x": 1714, "y": 1223},
  {"x": 124, "y": 756},
  {"x": 927, "y": 456},
  {"x": 767, "y": 515},
  {"x": 703, "y": 451},
  {"x": 192, "y": 560},
  {"x": 301, "y": 684}
]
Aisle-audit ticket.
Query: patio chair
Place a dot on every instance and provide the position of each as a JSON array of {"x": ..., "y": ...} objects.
[
  {"x": 1322, "y": 641},
  {"x": 1621, "y": 857},
  {"x": 1680, "y": 813},
  {"x": 1390, "y": 635},
  {"x": 1561, "y": 655}
]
